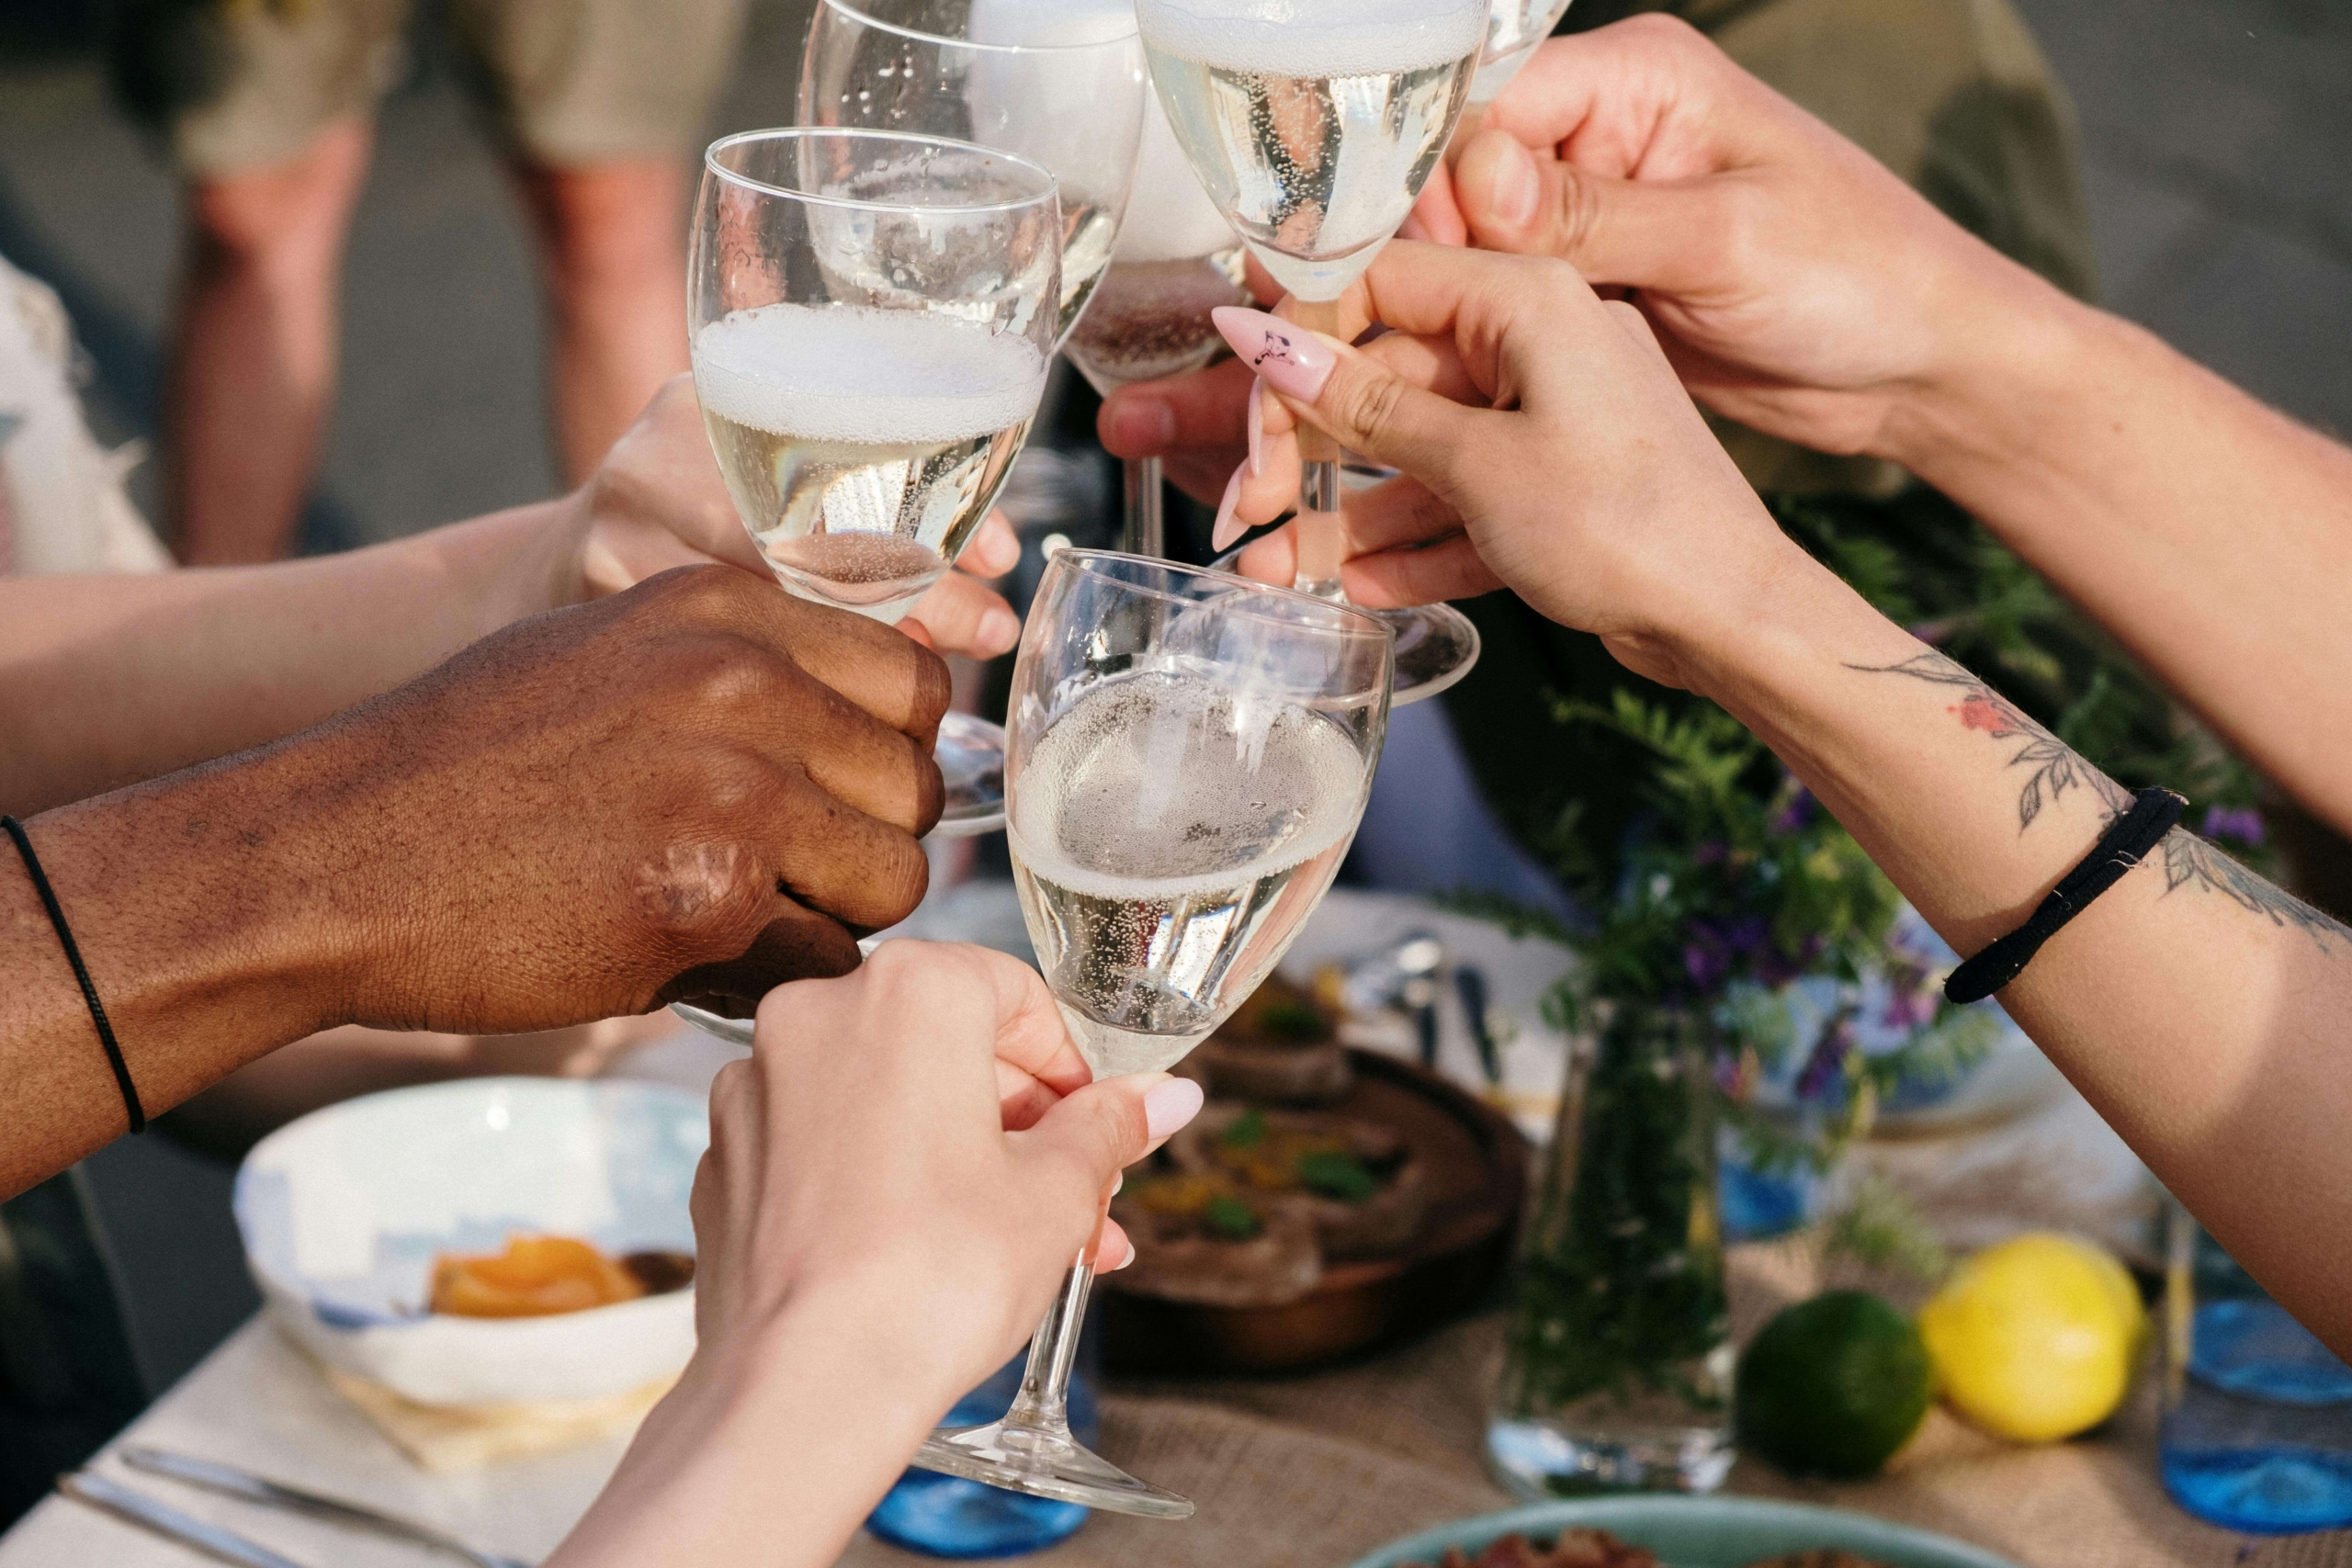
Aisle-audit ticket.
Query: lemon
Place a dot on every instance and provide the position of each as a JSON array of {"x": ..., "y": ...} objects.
[
  {"x": 1832, "y": 1386},
  {"x": 2036, "y": 1339}
]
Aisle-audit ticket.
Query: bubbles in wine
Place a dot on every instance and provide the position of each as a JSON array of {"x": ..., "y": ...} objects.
[{"x": 851, "y": 373}]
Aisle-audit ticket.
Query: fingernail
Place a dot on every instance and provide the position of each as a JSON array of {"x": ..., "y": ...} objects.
[
  {"x": 1229, "y": 526},
  {"x": 1289, "y": 358},
  {"x": 1122, "y": 1263},
  {"x": 1117, "y": 1183},
  {"x": 1518, "y": 186},
  {"x": 1171, "y": 1105},
  {"x": 999, "y": 629},
  {"x": 1257, "y": 424}
]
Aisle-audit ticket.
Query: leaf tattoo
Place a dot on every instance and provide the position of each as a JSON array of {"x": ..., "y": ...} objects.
[
  {"x": 2190, "y": 862},
  {"x": 2054, "y": 767}
]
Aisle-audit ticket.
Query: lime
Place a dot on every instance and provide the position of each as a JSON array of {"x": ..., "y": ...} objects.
[
  {"x": 2035, "y": 1339},
  {"x": 1833, "y": 1386}
]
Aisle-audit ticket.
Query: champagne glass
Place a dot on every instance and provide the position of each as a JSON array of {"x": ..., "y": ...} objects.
[
  {"x": 1189, "y": 755},
  {"x": 1514, "y": 29},
  {"x": 1176, "y": 260},
  {"x": 1313, "y": 125},
  {"x": 1057, "y": 82}
]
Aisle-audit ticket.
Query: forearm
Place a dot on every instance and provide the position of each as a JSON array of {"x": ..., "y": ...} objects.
[
  {"x": 206, "y": 934},
  {"x": 2210, "y": 534},
  {"x": 772, "y": 1449},
  {"x": 2199, "y": 1010},
  {"x": 107, "y": 680}
]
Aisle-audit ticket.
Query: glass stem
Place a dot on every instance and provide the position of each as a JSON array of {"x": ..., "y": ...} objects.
[
  {"x": 1318, "y": 531},
  {"x": 1043, "y": 1403},
  {"x": 1146, "y": 532}
]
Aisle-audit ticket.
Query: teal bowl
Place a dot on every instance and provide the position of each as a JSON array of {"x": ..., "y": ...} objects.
[{"x": 1696, "y": 1532}]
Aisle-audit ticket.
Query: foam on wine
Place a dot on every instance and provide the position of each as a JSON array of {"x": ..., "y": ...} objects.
[
  {"x": 1316, "y": 38},
  {"x": 853, "y": 373}
]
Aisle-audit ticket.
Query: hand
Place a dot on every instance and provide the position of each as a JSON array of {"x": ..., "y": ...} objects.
[
  {"x": 1797, "y": 286},
  {"x": 948, "y": 1156},
  {"x": 657, "y": 502},
  {"x": 1544, "y": 445},
  {"x": 700, "y": 787},
  {"x": 898, "y": 1180}
]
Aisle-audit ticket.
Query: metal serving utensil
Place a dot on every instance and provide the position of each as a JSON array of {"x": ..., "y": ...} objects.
[
  {"x": 231, "y": 1482},
  {"x": 112, "y": 1496}
]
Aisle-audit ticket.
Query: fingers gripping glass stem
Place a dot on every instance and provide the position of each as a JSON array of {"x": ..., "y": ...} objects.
[{"x": 1321, "y": 538}]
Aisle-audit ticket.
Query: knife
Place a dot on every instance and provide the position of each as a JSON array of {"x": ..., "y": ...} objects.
[
  {"x": 112, "y": 1496},
  {"x": 1470, "y": 985},
  {"x": 228, "y": 1479},
  {"x": 1419, "y": 958}
]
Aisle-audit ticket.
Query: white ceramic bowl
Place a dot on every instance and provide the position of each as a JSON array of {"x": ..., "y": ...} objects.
[{"x": 343, "y": 1212}]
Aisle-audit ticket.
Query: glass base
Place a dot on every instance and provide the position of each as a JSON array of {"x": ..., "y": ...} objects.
[
  {"x": 1045, "y": 1464},
  {"x": 970, "y": 754},
  {"x": 1436, "y": 646},
  {"x": 1536, "y": 1460}
]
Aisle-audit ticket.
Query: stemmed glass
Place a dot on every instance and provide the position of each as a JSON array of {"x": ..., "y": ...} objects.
[
  {"x": 1176, "y": 261},
  {"x": 1313, "y": 125},
  {"x": 1057, "y": 82},
  {"x": 1190, "y": 754},
  {"x": 1514, "y": 29},
  {"x": 871, "y": 316}
]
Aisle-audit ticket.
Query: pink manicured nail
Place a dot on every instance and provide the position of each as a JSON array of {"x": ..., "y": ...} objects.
[
  {"x": 1171, "y": 1105},
  {"x": 1229, "y": 527},
  {"x": 1257, "y": 424},
  {"x": 1289, "y": 358}
]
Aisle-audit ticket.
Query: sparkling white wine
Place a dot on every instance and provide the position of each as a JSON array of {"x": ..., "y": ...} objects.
[
  {"x": 862, "y": 446},
  {"x": 1168, "y": 838},
  {"x": 1313, "y": 133},
  {"x": 1088, "y": 230}
]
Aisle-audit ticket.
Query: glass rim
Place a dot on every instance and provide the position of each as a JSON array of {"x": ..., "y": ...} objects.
[
  {"x": 1052, "y": 191},
  {"x": 1363, "y": 621},
  {"x": 900, "y": 29}
]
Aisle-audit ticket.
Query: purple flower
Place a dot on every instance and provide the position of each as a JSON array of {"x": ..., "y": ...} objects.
[
  {"x": 1777, "y": 968},
  {"x": 2246, "y": 827},
  {"x": 1706, "y": 962},
  {"x": 1794, "y": 815},
  {"x": 1714, "y": 852},
  {"x": 1828, "y": 1058}
]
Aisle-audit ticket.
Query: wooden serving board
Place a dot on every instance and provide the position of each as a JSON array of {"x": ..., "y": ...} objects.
[{"x": 1477, "y": 1165}]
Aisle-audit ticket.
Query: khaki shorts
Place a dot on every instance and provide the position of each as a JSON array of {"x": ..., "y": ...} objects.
[{"x": 231, "y": 85}]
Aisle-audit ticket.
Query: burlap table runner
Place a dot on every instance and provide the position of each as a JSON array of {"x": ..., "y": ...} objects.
[{"x": 1312, "y": 1471}]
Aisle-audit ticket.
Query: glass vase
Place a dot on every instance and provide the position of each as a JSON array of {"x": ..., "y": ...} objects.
[{"x": 1617, "y": 1371}]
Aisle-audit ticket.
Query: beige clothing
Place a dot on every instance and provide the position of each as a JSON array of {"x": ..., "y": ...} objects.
[{"x": 234, "y": 85}]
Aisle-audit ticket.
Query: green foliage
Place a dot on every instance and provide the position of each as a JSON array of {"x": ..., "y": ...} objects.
[
  {"x": 1334, "y": 1173},
  {"x": 1230, "y": 1219},
  {"x": 1880, "y": 1230}
]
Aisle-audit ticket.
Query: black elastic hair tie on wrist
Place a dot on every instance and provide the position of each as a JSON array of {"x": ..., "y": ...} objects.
[
  {"x": 2154, "y": 812},
  {"x": 81, "y": 973}
]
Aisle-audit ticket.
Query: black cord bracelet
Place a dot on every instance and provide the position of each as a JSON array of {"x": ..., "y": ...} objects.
[
  {"x": 81, "y": 973},
  {"x": 2154, "y": 812}
]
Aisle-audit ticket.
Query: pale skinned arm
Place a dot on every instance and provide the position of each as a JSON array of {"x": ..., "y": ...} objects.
[
  {"x": 107, "y": 680},
  {"x": 897, "y": 1180},
  {"x": 2200, "y": 1009},
  {"x": 1803, "y": 289}
]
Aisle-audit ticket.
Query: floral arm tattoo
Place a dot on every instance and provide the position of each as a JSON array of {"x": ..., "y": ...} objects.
[{"x": 2053, "y": 768}]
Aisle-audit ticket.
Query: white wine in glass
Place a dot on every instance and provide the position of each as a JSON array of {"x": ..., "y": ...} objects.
[
  {"x": 862, "y": 446},
  {"x": 1189, "y": 754},
  {"x": 1313, "y": 125}
]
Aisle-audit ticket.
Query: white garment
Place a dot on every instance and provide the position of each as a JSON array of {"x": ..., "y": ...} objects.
[{"x": 62, "y": 505}]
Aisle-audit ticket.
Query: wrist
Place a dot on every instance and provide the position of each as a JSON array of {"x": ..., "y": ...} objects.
[{"x": 517, "y": 563}]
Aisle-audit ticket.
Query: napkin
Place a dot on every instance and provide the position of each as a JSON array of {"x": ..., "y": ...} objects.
[{"x": 443, "y": 1438}]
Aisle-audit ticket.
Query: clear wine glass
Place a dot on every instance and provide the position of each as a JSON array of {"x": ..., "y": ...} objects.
[
  {"x": 1313, "y": 125},
  {"x": 1190, "y": 754},
  {"x": 1514, "y": 29},
  {"x": 1176, "y": 260},
  {"x": 1060, "y": 82}
]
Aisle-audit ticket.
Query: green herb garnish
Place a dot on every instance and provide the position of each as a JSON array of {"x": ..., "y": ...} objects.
[
  {"x": 1292, "y": 1021},
  {"x": 1334, "y": 1173},
  {"x": 1230, "y": 1219},
  {"x": 1247, "y": 1131}
]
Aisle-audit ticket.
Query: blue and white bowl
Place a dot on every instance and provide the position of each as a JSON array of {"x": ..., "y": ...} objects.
[{"x": 343, "y": 1210}]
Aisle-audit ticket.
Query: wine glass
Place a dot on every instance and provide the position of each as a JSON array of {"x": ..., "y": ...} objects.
[
  {"x": 1189, "y": 755},
  {"x": 1176, "y": 260},
  {"x": 1313, "y": 125},
  {"x": 1057, "y": 82},
  {"x": 1514, "y": 29}
]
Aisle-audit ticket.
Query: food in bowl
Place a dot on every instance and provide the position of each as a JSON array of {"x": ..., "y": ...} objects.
[
  {"x": 539, "y": 1276},
  {"x": 1281, "y": 1046},
  {"x": 1245, "y": 1207}
]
